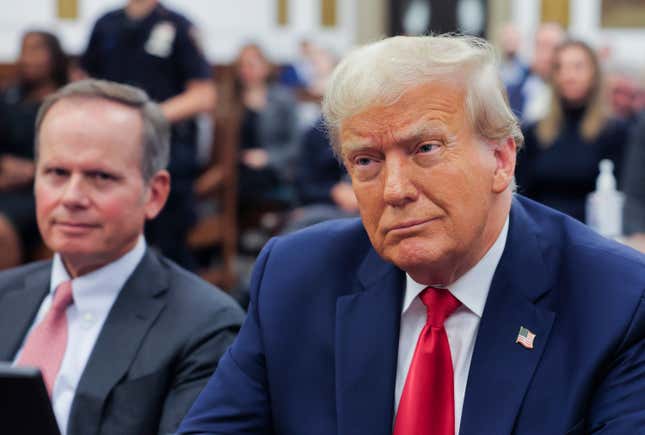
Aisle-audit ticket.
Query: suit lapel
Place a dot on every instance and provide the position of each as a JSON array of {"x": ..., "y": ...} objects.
[
  {"x": 367, "y": 335},
  {"x": 130, "y": 318},
  {"x": 501, "y": 369},
  {"x": 18, "y": 309}
]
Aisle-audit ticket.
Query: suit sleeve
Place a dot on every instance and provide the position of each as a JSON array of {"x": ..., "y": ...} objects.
[
  {"x": 198, "y": 363},
  {"x": 618, "y": 406},
  {"x": 236, "y": 399}
]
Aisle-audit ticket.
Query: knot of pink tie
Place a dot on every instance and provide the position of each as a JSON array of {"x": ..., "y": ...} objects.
[{"x": 63, "y": 297}]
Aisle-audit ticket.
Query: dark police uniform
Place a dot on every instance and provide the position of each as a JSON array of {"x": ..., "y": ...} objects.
[{"x": 159, "y": 54}]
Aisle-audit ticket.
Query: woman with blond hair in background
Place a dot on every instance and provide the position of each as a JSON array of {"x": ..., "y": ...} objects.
[
  {"x": 42, "y": 69},
  {"x": 559, "y": 164}
]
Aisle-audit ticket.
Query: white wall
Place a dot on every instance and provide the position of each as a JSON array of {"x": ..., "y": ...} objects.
[
  {"x": 627, "y": 45},
  {"x": 224, "y": 25}
]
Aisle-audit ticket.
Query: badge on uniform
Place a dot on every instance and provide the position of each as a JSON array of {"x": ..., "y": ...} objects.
[{"x": 161, "y": 38}]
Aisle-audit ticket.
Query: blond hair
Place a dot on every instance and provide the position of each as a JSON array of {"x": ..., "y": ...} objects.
[
  {"x": 595, "y": 113},
  {"x": 379, "y": 73}
]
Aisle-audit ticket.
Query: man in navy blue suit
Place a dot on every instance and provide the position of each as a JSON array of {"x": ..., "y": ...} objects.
[{"x": 453, "y": 306}]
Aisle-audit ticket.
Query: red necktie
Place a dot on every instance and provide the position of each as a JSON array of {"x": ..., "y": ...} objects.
[
  {"x": 45, "y": 346},
  {"x": 427, "y": 403}
]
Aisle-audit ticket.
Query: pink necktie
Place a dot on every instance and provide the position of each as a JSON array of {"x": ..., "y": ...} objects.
[
  {"x": 427, "y": 403},
  {"x": 45, "y": 346}
]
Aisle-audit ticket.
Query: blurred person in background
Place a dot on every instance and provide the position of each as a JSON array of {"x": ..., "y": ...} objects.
[
  {"x": 42, "y": 69},
  {"x": 559, "y": 164},
  {"x": 324, "y": 188},
  {"x": 513, "y": 71},
  {"x": 639, "y": 98},
  {"x": 311, "y": 70},
  {"x": 299, "y": 73},
  {"x": 536, "y": 92},
  {"x": 147, "y": 45},
  {"x": 623, "y": 90},
  {"x": 323, "y": 62},
  {"x": 263, "y": 118}
]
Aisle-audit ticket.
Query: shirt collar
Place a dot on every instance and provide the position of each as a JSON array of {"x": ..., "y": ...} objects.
[
  {"x": 98, "y": 289},
  {"x": 471, "y": 289}
]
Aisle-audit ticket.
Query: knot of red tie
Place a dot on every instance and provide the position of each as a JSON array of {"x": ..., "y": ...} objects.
[
  {"x": 427, "y": 405},
  {"x": 440, "y": 304}
]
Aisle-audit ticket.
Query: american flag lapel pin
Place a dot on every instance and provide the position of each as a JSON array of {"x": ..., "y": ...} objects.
[{"x": 525, "y": 338}]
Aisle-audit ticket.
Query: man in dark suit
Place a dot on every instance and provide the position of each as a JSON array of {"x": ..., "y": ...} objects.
[
  {"x": 452, "y": 305},
  {"x": 125, "y": 338}
]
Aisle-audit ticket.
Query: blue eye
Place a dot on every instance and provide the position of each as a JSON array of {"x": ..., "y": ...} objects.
[
  {"x": 362, "y": 161},
  {"x": 426, "y": 148}
]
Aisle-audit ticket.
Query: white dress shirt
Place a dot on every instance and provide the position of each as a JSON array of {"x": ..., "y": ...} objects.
[
  {"x": 471, "y": 289},
  {"x": 94, "y": 295}
]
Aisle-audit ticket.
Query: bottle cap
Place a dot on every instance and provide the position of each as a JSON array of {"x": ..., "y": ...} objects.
[{"x": 606, "y": 180}]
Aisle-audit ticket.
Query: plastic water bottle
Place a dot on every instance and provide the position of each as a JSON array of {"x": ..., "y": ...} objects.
[{"x": 604, "y": 211}]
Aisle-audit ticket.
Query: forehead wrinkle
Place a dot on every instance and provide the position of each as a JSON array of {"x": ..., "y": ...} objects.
[
  {"x": 419, "y": 130},
  {"x": 424, "y": 128},
  {"x": 438, "y": 114}
]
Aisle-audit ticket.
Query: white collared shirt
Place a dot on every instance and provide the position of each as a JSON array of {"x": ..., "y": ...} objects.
[
  {"x": 471, "y": 289},
  {"x": 94, "y": 295}
]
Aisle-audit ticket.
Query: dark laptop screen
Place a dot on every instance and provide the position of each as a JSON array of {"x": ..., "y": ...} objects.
[{"x": 24, "y": 403}]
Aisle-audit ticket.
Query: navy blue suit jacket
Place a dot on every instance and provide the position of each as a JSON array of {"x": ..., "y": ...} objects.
[{"x": 318, "y": 351}]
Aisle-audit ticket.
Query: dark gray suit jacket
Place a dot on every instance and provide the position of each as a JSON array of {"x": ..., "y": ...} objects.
[{"x": 159, "y": 345}]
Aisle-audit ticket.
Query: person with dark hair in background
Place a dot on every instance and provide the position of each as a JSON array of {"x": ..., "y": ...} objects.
[
  {"x": 156, "y": 49},
  {"x": 262, "y": 117},
  {"x": 42, "y": 69},
  {"x": 125, "y": 339},
  {"x": 559, "y": 163},
  {"x": 267, "y": 133}
]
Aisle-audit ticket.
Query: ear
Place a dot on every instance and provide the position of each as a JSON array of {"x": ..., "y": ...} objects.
[
  {"x": 505, "y": 155},
  {"x": 157, "y": 193}
]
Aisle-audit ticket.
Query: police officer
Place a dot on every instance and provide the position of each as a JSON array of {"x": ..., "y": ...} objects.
[{"x": 152, "y": 47}]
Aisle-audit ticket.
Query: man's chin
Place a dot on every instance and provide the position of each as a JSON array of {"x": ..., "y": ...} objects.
[
  {"x": 77, "y": 252},
  {"x": 418, "y": 257}
]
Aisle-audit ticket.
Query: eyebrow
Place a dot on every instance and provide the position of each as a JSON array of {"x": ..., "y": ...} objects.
[
  {"x": 415, "y": 133},
  {"x": 355, "y": 144},
  {"x": 117, "y": 172},
  {"x": 421, "y": 130}
]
